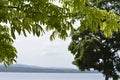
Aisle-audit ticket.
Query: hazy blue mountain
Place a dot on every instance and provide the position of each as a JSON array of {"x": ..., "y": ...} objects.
[{"x": 27, "y": 68}]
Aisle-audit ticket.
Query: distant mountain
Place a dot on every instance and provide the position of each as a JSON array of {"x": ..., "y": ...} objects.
[{"x": 27, "y": 68}]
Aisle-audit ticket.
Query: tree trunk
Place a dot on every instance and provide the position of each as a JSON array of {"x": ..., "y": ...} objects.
[{"x": 106, "y": 77}]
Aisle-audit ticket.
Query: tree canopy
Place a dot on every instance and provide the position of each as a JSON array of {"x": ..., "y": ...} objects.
[
  {"x": 95, "y": 43},
  {"x": 94, "y": 50},
  {"x": 35, "y": 16},
  {"x": 94, "y": 13}
]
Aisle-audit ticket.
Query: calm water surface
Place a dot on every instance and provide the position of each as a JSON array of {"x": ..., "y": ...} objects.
[{"x": 51, "y": 76}]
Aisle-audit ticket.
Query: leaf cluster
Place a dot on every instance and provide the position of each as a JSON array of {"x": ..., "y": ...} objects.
[
  {"x": 94, "y": 13},
  {"x": 7, "y": 50},
  {"x": 34, "y": 16},
  {"x": 94, "y": 50}
]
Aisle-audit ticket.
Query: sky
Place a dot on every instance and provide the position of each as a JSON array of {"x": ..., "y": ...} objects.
[{"x": 40, "y": 51}]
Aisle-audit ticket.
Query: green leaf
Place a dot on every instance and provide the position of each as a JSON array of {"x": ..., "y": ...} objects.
[
  {"x": 24, "y": 32},
  {"x": 103, "y": 26},
  {"x": 13, "y": 34}
]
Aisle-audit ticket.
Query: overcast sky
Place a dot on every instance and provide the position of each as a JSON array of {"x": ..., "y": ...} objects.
[{"x": 43, "y": 52}]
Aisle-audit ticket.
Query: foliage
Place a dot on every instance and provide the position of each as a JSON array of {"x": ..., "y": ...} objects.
[
  {"x": 94, "y": 50},
  {"x": 94, "y": 13},
  {"x": 96, "y": 41},
  {"x": 7, "y": 51},
  {"x": 33, "y": 16}
]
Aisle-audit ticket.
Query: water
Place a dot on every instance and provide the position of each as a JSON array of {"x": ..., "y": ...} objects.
[{"x": 51, "y": 76}]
